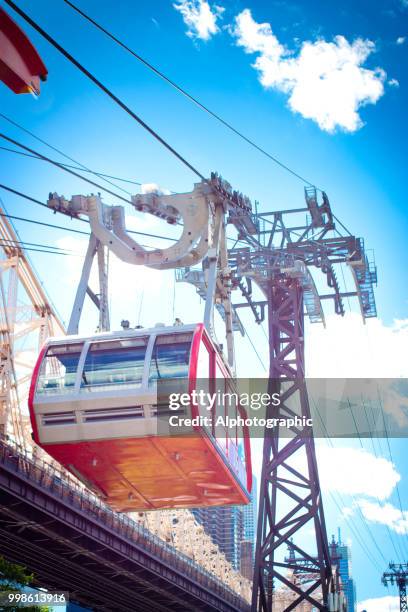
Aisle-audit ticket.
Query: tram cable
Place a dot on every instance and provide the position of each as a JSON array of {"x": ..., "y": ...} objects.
[
  {"x": 401, "y": 554},
  {"x": 50, "y": 146},
  {"x": 391, "y": 456},
  {"x": 62, "y": 167},
  {"x": 46, "y": 249},
  {"x": 189, "y": 96},
  {"x": 105, "y": 89},
  {"x": 82, "y": 167},
  {"x": 36, "y": 244},
  {"x": 65, "y": 165},
  {"x": 349, "y": 520}
]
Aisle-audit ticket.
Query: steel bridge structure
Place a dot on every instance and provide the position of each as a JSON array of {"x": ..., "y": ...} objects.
[{"x": 105, "y": 560}]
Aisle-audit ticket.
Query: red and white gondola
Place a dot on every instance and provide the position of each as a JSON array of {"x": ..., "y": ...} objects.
[{"x": 94, "y": 408}]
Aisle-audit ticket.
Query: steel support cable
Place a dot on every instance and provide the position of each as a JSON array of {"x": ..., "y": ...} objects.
[
  {"x": 356, "y": 504},
  {"x": 401, "y": 553},
  {"x": 27, "y": 197},
  {"x": 332, "y": 446},
  {"x": 391, "y": 457},
  {"x": 189, "y": 96},
  {"x": 348, "y": 519},
  {"x": 67, "y": 166},
  {"x": 105, "y": 89},
  {"x": 35, "y": 244},
  {"x": 82, "y": 166},
  {"x": 63, "y": 167},
  {"x": 44, "y": 248},
  {"x": 354, "y": 531},
  {"x": 50, "y": 146},
  {"x": 255, "y": 351},
  {"x": 386, "y": 432},
  {"x": 34, "y": 222},
  {"x": 22, "y": 245},
  {"x": 345, "y": 286},
  {"x": 342, "y": 225}
]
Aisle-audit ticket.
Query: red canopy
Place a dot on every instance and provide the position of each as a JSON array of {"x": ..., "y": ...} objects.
[{"x": 21, "y": 68}]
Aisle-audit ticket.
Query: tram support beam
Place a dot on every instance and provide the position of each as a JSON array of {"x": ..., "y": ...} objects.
[
  {"x": 94, "y": 248},
  {"x": 284, "y": 513}
]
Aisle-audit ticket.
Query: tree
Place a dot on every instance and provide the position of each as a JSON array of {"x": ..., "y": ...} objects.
[{"x": 14, "y": 578}]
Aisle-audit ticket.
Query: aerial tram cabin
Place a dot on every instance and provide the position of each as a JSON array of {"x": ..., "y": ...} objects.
[
  {"x": 21, "y": 68},
  {"x": 94, "y": 407}
]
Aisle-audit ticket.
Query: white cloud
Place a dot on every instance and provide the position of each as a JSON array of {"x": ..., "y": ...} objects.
[
  {"x": 349, "y": 349},
  {"x": 325, "y": 81},
  {"x": 355, "y": 471},
  {"x": 154, "y": 188},
  {"x": 393, "y": 83},
  {"x": 385, "y": 514},
  {"x": 379, "y": 604},
  {"x": 400, "y": 40},
  {"x": 200, "y": 18}
]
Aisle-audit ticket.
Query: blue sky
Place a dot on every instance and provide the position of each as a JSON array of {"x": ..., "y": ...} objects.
[{"x": 352, "y": 145}]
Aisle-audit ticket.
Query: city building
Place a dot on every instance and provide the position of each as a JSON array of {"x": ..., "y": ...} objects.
[
  {"x": 233, "y": 529},
  {"x": 224, "y": 525},
  {"x": 247, "y": 559},
  {"x": 341, "y": 556},
  {"x": 250, "y": 515}
]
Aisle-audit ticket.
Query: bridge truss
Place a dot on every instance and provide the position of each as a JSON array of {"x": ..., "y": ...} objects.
[{"x": 27, "y": 318}]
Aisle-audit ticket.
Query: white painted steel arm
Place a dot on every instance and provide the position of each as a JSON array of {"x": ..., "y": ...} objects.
[{"x": 108, "y": 225}]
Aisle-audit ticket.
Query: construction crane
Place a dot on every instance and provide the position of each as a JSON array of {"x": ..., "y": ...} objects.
[
  {"x": 282, "y": 248},
  {"x": 398, "y": 575}
]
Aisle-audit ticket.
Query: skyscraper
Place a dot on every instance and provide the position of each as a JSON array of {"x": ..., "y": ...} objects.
[
  {"x": 233, "y": 530},
  {"x": 250, "y": 515},
  {"x": 341, "y": 556},
  {"x": 224, "y": 525}
]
